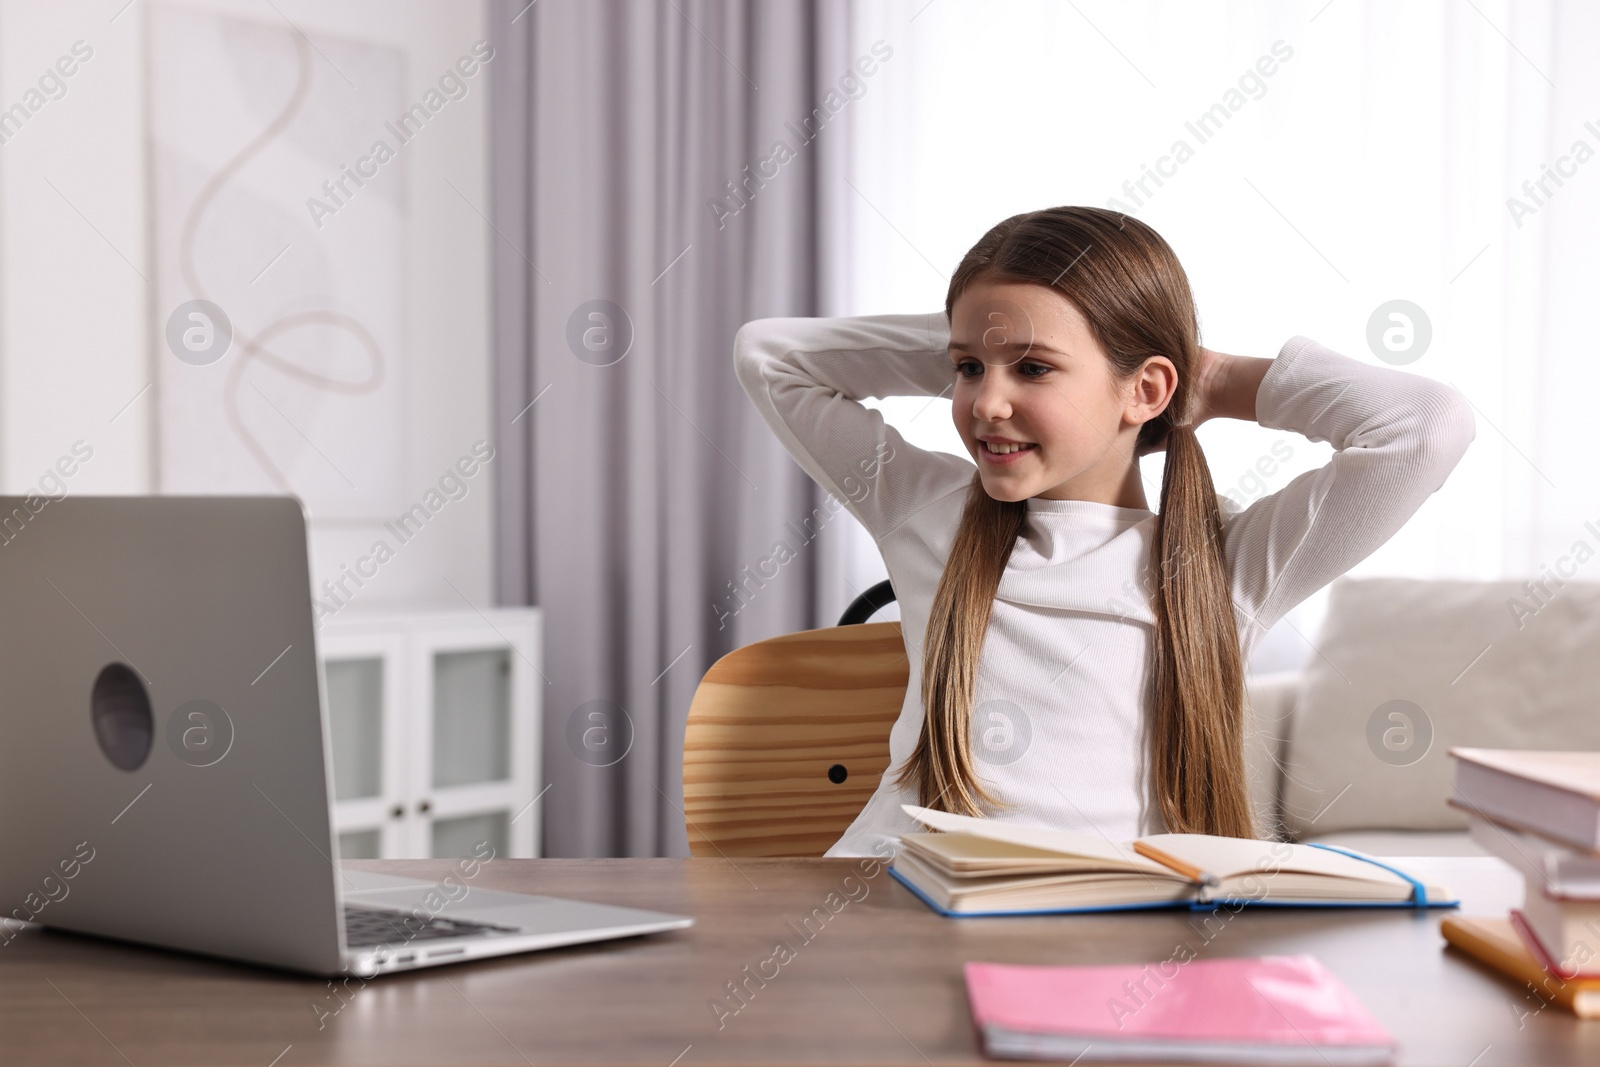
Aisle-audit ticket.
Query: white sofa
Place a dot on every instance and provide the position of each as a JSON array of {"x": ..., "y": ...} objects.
[{"x": 1351, "y": 750}]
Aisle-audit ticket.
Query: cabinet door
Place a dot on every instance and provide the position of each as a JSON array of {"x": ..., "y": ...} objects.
[
  {"x": 473, "y": 770},
  {"x": 364, "y": 680}
]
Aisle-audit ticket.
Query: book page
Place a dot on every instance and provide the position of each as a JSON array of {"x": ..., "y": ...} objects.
[
  {"x": 1063, "y": 841},
  {"x": 1233, "y": 856},
  {"x": 963, "y": 855}
]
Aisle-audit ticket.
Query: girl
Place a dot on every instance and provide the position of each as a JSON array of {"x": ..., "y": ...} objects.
[{"x": 1081, "y": 657}]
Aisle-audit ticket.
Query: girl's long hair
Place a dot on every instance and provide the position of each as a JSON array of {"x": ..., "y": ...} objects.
[{"x": 1135, "y": 296}]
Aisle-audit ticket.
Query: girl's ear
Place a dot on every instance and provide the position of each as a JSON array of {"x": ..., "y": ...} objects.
[{"x": 1150, "y": 390}]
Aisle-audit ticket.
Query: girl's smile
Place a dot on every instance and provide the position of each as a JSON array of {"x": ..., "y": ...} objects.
[{"x": 1001, "y": 459}]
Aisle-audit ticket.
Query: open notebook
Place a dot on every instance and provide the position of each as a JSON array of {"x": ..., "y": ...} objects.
[{"x": 988, "y": 867}]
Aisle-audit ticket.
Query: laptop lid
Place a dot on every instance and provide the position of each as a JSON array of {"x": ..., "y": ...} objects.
[{"x": 163, "y": 770}]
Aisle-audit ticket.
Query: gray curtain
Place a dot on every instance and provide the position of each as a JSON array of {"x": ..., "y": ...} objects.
[{"x": 640, "y": 489}]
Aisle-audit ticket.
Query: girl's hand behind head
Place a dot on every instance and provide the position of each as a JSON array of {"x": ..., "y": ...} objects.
[{"x": 1209, "y": 384}]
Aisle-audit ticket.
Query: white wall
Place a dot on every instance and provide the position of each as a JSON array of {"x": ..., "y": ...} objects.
[
  {"x": 79, "y": 329},
  {"x": 73, "y": 349}
]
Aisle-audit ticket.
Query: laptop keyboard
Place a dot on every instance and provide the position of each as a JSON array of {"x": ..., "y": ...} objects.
[{"x": 365, "y": 927}]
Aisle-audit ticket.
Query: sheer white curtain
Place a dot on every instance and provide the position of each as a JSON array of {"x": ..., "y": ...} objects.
[{"x": 1355, "y": 154}]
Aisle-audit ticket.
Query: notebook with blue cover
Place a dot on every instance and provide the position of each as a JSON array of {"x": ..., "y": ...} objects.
[{"x": 974, "y": 867}]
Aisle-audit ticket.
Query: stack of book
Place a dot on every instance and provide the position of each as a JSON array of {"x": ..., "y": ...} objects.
[{"x": 1540, "y": 812}]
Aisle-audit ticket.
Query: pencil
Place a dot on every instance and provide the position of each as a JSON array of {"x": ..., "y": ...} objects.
[{"x": 1188, "y": 870}]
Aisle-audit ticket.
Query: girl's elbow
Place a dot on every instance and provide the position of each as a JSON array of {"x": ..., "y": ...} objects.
[
  {"x": 749, "y": 349},
  {"x": 745, "y": 340},
  {"x": 759, "y": 341},
  {"x": 1464, "y": 421},
  {"x": 1455, "y": 425}
]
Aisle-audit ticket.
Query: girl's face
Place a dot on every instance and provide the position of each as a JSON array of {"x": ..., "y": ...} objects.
[{"x": 1028, "y": 371}]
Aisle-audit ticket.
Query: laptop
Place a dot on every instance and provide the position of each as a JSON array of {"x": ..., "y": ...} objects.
[{"x": 122, "y": 619}]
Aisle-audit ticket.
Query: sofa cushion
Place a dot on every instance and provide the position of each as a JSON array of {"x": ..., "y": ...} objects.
[
  {"x": 1406, "y": 668},
  {"x": 1269, "y": 703}
]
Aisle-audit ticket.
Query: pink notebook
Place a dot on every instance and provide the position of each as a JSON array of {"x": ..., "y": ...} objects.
[{"x": 1262, "y": 1009}]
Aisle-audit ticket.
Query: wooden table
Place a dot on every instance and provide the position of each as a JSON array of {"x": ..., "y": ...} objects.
[{"x": 875, "y": 978}]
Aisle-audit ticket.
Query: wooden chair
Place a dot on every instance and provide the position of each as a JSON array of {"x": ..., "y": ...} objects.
[{"x": 787, "y": 738}]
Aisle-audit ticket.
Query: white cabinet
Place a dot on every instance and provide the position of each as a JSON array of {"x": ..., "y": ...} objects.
[{"x": 434, "y": 722}]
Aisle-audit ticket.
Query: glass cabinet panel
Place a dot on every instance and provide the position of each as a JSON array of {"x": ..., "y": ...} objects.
[
  {"x": 359, "y": 845},
  {"x": 465, "y": 835},
  {"x": 433, "y": 732},
  {"x": 355, "y": 716},
  {"x": 471, "y": 718}
]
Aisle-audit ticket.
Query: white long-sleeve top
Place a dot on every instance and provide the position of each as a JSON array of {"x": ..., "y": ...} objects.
[{"x": 1064, "y": 685}]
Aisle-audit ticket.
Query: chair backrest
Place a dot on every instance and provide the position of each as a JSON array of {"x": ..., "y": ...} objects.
[{"x": 787, "y": 739}]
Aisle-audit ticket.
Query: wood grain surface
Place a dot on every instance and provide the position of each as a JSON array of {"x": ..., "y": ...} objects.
[{"x": 871, "y": 976}]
